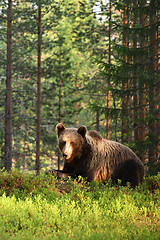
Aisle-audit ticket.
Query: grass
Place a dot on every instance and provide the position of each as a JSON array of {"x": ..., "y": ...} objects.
[{"x": 42, "y": 207}]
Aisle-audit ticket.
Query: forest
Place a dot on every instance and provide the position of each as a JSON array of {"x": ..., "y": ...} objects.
[{"x": 78, "y": 62}]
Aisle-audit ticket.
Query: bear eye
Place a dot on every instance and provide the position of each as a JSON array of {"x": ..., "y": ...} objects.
[{"x": 72, "y": 143}]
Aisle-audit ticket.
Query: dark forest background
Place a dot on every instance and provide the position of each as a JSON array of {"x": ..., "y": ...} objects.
[{"x": 78, "y": 62}]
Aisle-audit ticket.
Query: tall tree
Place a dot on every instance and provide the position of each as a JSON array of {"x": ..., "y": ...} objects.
[
  {"x": 109, "y": 64},
  {"x": 142, "y": 84},
  {"x": 8, "y": 110},
  {"x": 38, "y": 91},
  {"x": 135, "y": 91},
  {"x": 154, "y": 85},
  {"x": 125, "y": 81}
]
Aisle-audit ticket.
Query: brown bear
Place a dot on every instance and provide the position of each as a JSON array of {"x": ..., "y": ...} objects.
[{"x": 88, "y": 155}]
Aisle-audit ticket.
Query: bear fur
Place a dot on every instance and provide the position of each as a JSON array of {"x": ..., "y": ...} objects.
[{"x": 88, "y": 155}]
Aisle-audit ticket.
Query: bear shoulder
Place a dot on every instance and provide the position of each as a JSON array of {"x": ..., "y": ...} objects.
[{"x": 95, "y": 135}]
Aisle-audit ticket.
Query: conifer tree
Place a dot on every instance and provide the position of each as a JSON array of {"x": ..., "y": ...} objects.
[{"x": 8, "y": 110}]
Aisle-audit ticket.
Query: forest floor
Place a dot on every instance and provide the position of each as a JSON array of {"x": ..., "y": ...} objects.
[{"x": 42, "y": 207}]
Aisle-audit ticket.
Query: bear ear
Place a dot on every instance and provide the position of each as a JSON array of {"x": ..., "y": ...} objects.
[
  {"x": 82, "y": 131},
  {"x": 59, "y": 128}
]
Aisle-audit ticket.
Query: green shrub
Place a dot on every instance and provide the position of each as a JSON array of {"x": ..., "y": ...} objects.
[{"x": 42, "y": 207}]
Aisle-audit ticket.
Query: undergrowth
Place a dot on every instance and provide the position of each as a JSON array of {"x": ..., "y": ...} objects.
[{"x": 42, "y": 207}]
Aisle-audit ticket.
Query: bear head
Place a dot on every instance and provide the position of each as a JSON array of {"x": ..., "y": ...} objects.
[{"x": 71, "y": 141}]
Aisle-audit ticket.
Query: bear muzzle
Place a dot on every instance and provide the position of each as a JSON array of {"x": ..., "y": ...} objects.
[{"x": 65, "y": 155}]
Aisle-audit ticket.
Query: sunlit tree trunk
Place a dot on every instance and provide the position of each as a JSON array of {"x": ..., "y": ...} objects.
[
  {"x": 109, "y": 61},
  {"x": 8, "y": 109}
]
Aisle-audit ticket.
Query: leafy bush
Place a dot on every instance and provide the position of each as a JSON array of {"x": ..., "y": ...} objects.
[{"x": 21, "y": 184}]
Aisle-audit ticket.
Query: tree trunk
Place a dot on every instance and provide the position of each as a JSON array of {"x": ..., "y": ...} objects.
[
  {"x": 125, "y": 82},
  {"x": 135, "y": 92},
  {"x": 59, "y": 119},
  {"x": 8, "y": 109},
  {"x": 97, "y": 120},
  {"x": 142, "y": 91},
  {"x": 38, "y": 92},
  {"x": 153, "y": 87},
  {"x": 109, "y": 62}
]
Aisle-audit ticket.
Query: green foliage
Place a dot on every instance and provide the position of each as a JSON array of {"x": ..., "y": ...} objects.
[
  {"x": 22, "y": 185},
  {"x": 80, "y": 65},
  {"x": 57, "y": 209},
  {"x": 67, "y": 29}
]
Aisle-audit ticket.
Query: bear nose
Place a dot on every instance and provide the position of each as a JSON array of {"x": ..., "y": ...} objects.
[{"x": 64, "y": 155}]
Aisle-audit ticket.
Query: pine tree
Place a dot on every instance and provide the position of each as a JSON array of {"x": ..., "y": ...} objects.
[
  {"x": 8, "y": 110},
  {"x": 38, "y": 92},
  {"x": 153, "y": 84}
]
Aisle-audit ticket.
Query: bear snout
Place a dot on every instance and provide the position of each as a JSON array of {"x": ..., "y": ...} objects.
[{"x": 64, "y": 154}]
